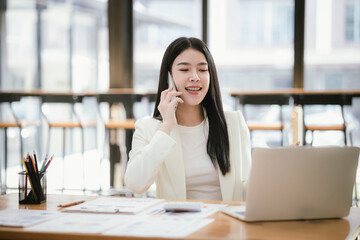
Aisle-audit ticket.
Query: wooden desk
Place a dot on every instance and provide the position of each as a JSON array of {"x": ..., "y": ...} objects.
[{"x": 224, "y": 227}]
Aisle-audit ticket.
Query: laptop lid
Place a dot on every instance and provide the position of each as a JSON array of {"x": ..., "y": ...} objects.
[{"x": 301, "y": 183}]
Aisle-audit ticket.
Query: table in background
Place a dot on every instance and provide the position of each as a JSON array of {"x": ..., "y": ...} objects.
[
  {"x": 298, "y": 96},
  {"x": 126, "y": 96},
  {"x": 224, "y": 227}
]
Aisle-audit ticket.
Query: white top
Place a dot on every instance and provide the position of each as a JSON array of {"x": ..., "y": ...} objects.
[{"x": 202, "y": 179}]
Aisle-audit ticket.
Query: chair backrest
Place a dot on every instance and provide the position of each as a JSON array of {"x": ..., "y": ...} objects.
[
  {"x": 127, "y": 99},
  {"x": 57, "y": 107},
  {"x": 265, "y": 99}
]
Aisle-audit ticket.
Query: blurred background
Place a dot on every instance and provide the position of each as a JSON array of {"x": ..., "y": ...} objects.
[{"x": 66, "y": 45}]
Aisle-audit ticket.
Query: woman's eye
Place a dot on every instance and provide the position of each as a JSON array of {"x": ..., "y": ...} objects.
[
  {"x": 183, "y": 70},
  {"x": 203, "y": 70}
]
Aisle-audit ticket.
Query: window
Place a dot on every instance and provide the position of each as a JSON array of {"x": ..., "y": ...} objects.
[
  {"x": 332, "y": 46},
  {"x": 352, "y": 21},
  {"x": 68, "y": 37},
  {"x": 252, "y": 43},
  {"x": 156, "y": 24},
  {"x": 20, "y": 44}
]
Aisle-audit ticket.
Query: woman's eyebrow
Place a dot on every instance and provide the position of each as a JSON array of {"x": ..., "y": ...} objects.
[
  {"x": 186, "y": 63},
  {"x": 183, "y": 63}
]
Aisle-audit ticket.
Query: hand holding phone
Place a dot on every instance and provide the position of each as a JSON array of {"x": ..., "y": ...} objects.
[
  {"x": 167, "y": 108},
  {"x": 171, "y": 84}
]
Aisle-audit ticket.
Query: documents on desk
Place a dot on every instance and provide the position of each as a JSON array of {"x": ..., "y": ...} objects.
[
  {"x": 144, "y": 217},
  {"x": 164, "y": 227},
  {"x": 25, "y": 217},
  {"x": 206, "y": 210},
  {"x": 114, "y": 205},
  {"x": 81, "y": 223}
]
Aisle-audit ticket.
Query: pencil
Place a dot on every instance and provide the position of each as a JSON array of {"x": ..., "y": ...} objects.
[
  {"x": 34, "y": 177},
  {"x": 36, "y": 164},
  {"x": 31, "y": 184},
  {"x": 26, "y": 177},
  {"x": 70, "y": 204},
  {"x": 43, "y": 164},
  {"x": 33, "y": 162},
  {"x": 48, "y": 163}
]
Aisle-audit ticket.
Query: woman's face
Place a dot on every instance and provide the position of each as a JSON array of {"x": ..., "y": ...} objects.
[{"x": 191, "y": 76}]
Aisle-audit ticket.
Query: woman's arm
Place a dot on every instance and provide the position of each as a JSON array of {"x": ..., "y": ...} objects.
[{"x": 149, "y": 150}]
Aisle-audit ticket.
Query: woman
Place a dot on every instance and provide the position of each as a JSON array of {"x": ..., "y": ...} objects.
[{"x": 190, "y": 147}]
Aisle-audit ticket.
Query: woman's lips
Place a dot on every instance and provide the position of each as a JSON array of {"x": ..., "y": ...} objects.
[{"x": 193, "y": 90}]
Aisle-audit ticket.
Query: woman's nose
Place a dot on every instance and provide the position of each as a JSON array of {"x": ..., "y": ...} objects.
[{"x": 194, "y": 77}]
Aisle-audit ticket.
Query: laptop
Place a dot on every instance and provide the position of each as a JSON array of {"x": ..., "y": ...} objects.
[{"x": 297, "y": 183}]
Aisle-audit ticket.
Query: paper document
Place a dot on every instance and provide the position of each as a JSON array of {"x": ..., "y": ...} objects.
[
  {"x": 207, "y": 210},
  {"x": 114, "y": 205},
  {"x": 25, "y": 217},
  {"x": 160, "y": 227},
  {"x": 81, "y": 223}
]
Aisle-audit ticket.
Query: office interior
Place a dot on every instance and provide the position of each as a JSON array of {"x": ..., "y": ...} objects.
[{"x": 95, "y": 46}]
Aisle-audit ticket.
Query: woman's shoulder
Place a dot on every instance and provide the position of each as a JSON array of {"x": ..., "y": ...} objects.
[
  {"x": 147, "y": 121},
  {"x": 147, "y": 125},
  {"x": 234, "y": 117}
]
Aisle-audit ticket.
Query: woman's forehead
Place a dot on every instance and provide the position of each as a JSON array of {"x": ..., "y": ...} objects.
[{"x": 190, "y": 56}]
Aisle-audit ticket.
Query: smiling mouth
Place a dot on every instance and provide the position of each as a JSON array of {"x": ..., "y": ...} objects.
[{"x": 193, "y": 89}]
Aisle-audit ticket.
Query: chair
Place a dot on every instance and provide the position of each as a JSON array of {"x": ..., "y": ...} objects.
[
  {"x": 322, "y": 99},
  {"x": 113, "y": 125},
  {"x": 266, "y": 99},
  {"x": 56, "y": 103},
  {"x": 328, "y": 99},
  {"x": 5, "y": 123}
]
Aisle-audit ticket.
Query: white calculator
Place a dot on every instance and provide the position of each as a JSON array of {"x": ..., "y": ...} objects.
[{"x": 183, "y": 206}]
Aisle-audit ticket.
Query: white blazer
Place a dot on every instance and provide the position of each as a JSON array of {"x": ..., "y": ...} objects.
[{"x": 156, "y": 156}]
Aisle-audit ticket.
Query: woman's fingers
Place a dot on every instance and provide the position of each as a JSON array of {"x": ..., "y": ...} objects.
[
  {"x": 169, "y": 93},
  {"x": 164, "y": 93},
  {"x": 179, "y": 100}
]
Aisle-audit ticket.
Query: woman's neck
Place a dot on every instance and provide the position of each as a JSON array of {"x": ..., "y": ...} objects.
[{"x": 189, "y": 116}]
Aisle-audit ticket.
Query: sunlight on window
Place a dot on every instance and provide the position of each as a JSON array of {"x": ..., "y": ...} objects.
[
  {"x": 252, "y": 42},
  {"x": 156, "y": 24}
]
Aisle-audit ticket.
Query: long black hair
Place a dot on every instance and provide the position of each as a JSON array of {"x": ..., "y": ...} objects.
[{"x": 218, "y": 139}]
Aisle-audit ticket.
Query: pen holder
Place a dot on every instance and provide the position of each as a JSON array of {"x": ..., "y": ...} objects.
[{"x": 32, "y": 188}]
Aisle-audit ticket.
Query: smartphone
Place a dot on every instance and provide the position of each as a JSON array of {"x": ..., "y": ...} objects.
[{"x": 171, "y": 83}]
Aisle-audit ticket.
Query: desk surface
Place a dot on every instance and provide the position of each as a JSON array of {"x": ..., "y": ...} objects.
[{"x": 224, "y": 227}]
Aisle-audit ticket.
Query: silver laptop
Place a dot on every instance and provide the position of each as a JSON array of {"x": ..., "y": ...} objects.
[{"x": 297, "y": 183}]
